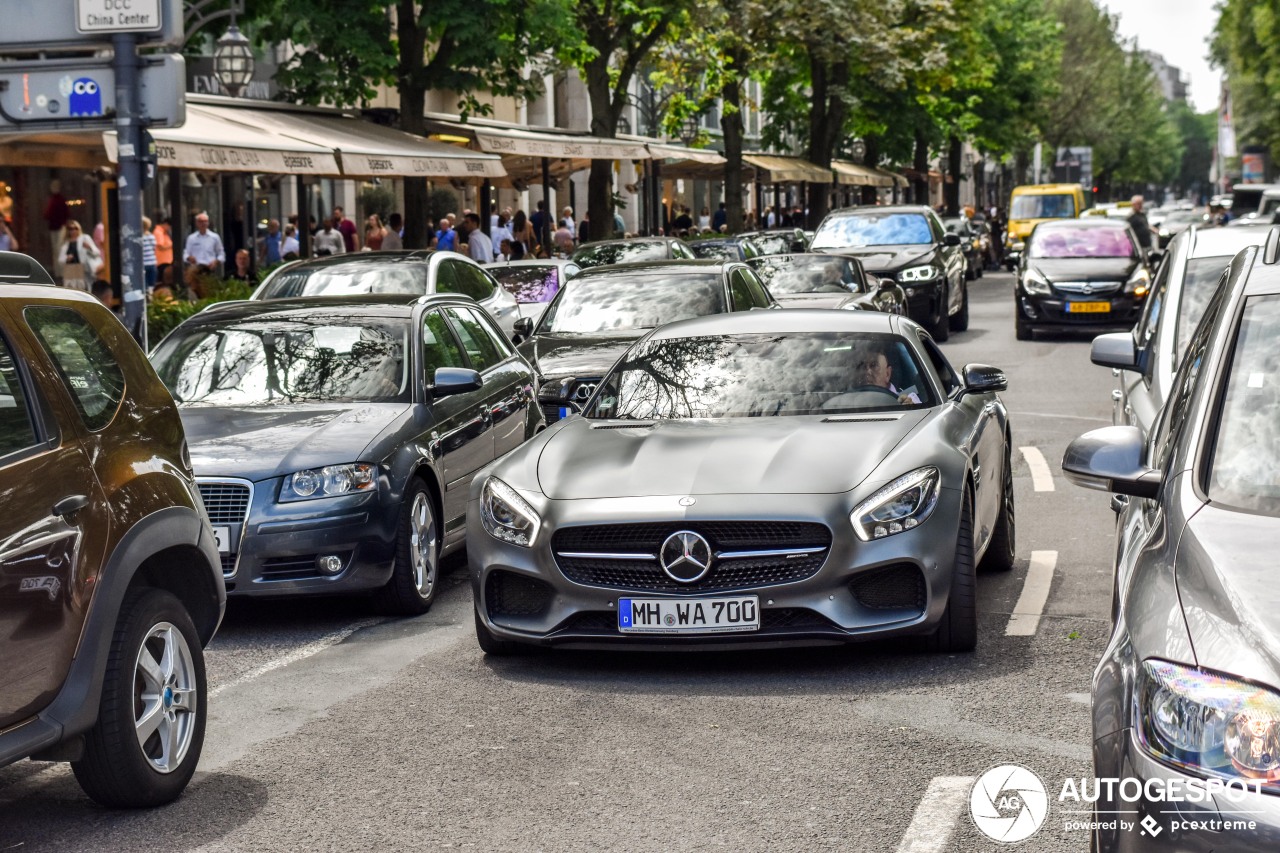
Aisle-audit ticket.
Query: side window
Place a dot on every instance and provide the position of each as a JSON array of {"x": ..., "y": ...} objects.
[
  {"x": 739, "y": 292},
  {"x": 470, "y": 281},
  {"x": 482, "y": 350},
  {"x": 447, "y": 278},
  {"x": 87, "y": 366},
  {"x": 1149, "y": 324},
  {"x": 1174, "y": 414},
  {"x": 439, "y": 347},
  {"x": 16, "y": 430},
  {"x": 950, "y": 381},
  {"x": 759, "y": 296}
]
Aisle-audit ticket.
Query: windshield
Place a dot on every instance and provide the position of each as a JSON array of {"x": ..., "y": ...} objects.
[
  {"x": 740, "y": 376},
  {"x": 619, "y": 253},
  {"x": 1246, "y": 456},
  {"x": 529, "y": 284},
  {"x": 715, "y": 251},
  {"x": 1043, "y": 207},
  {"x": 873, "y": 229},
  {"x": 1198, "y": 284},
  {"x": 956, "y": 225},
  {"x": 774, "y": 244},
  {"x": 1080, "y": 243},
  {"x": 275, "y": 360},
  {"x": 618, "y": 303},
  {"x": 343, "y": 279},
  {"x": 807, "y": 274}
]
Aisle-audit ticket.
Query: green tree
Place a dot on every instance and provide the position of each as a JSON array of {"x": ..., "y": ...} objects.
[
  {"x": 345, "y": 49},
  {"x": 1246, "y": 44}
]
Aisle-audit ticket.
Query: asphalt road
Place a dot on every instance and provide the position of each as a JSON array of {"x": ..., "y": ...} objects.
[{"x": 331, "y": 729}]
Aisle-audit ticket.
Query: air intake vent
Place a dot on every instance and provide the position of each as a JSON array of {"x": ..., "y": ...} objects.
[
  {"x": 857, "y": 420},
  {"x": 897, "y": 587},
  {"x": 621, "y": 426},
  {"x": 509, "y": 594}
]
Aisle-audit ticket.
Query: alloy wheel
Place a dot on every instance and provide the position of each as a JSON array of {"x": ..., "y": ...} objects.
[
  {"x": 165, "y": 697},
  {"x": 422, "y": 545}
]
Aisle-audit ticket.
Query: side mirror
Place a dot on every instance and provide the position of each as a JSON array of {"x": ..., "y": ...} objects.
[
  {"x": 455, "y": 380},
  {"x": 1154, "y": 256},
  {"x": 522, "y": 329},
  {"x": 798, "y": 247},
  {"x": 1110, "y": 460},
  {"x": 984, "y": 379},
  {"x": 951, "y": 239},
  {"x": 1114, "y": 350}
]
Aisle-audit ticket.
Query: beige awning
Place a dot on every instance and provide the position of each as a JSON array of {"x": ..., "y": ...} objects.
[
  {"x": 669, "y": 151},
  {"x": 556, "y": 144},
  {"x": 856, "y": 175},
  {"x": 781, "y": 169},
  {"x": 216, "y": 139},
  {"x": 894, "y": 178}
]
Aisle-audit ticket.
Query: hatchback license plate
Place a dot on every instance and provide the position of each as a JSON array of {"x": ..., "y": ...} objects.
[
  {"x": 1089, "y": 307},
  {"x": 222, "y": 535},
  {"x": 688, "y": 615}
]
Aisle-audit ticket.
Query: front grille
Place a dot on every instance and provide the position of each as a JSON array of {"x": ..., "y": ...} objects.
[
  {"x": 289, "y": 568},
  {"x": 643, "y": 572},
  {"x": 226, "y": 503},
  {"x": 509, "y": 594},
  {"x": 228, "y": 563},
  {"x": 1088, "y": 288},
  {"x": 771, "y": 619},
  {"x": 897, "y": 587}
]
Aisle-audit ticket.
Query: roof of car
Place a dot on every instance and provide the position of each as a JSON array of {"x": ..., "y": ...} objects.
[
  {"x": 641, "y": 267},
  {"x": 880, "y": 208},
  {"x": 1087, "y": 222},
  {"x": 367, "y": 258},
  {"x": 17, "y": 268},
  {"x": 627, "y": 241},
  {"x": 1214, "y": 242},
  {"x": 779, "y": 322},
  {"x": 388, "y": 305}
]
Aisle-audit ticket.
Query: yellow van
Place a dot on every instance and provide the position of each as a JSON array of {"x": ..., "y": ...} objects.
[{"x": 1031, "y": 205}]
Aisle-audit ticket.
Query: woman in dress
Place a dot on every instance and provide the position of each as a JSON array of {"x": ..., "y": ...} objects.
[
  {"x": 373, "y": 233},
  {"x": 79, "y": 259},
  {"x": 522, "y": 232}
]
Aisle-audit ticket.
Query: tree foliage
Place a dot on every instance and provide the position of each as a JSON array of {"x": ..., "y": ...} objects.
[{"x": 1246, "y": 44}]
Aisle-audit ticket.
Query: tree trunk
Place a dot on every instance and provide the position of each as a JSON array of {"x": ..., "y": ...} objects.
[
  {"x": 827, "y": 114},
  {"x": 732, "y": 126},
  {"x": 920, "y": 183},
  {"x": 952, "y": 190},
  {"x": 413, "y": 93},
  {"x": 604, "y": 125},
  {"x": 872, "y": 158}
]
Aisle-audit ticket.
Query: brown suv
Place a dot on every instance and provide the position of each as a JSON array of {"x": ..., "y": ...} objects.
[{"x": 110, "y": 581}]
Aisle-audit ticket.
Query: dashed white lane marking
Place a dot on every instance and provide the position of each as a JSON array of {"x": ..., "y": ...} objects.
[
  {"x": 300, "y": 653},
  {"x": 1041, "y": 478},
  {"x": 935, "y": 819},
  {"x": 1035, "y": 593}
]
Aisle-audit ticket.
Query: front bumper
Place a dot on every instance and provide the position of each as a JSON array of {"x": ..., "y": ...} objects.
[
  {"x": 1123, "y": 310},
  {"x": 822, "y": 608},
  {"x": 1218, "y": 825}
]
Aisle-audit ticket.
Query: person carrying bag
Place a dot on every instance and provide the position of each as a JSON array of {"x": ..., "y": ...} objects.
[{"x": 79, "y": 260}]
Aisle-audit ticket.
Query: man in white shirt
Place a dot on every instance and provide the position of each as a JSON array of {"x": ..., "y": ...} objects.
[
  {"x": 479, "y": 246},
  {"x": 328, "y": 241},
  {"x": 204, "y": 247},
  {"x": 500, "y": 231},
  {"x": 290, "y": 245}
]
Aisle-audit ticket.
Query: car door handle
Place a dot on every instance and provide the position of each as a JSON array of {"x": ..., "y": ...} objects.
[{"x": 70, "y": 504}]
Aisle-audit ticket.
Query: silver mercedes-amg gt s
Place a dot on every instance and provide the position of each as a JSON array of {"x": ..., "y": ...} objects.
[{"x": 766, "y": 478}]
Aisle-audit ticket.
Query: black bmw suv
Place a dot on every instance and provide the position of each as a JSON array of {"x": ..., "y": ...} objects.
[{"x": 907, "y": 244}]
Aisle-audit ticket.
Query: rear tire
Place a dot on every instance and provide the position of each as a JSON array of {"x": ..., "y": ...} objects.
[
  {"x": 490, "y": 644},
  {"x": 416, "y": 573},
  {"x": 154, "y": 682},
  {"x": 941, "y": 327},
  {"x": 958, "y": 629},
  {"x": 960, "y": 320},
  {"x": 1001, "y": 550}
]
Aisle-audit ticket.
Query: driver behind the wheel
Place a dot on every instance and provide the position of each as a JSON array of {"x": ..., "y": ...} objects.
[{"x": 876, "y": 370}]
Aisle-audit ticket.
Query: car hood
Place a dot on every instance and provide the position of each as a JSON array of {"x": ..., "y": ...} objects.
[
  {"x": 782, "y": 455},
  {"x": 260, "y": 442},
  {"x": 562, "y": 356},
  {"x": 815, "y": 300},
  {"x": 878, "y": 259},
  {"x": 1085, "y": 269},
  {"x": 1229, "y": 595}
]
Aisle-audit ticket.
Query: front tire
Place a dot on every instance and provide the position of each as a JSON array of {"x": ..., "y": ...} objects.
[
  {"x": 958, "y": 629},
  {"x": 416, "y": 572},
  {"x": 1022, "y": 330},
  {"x": 941, "y": 326},
  {"x": 150, "y": 730},
  {"x": 959, "y": 321},
  {"x": 490, "y": 644},
  {"x": 1001, "y": 550}
]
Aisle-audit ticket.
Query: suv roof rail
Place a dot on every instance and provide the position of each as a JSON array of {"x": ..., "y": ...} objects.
[
  {"x": 17, "y": 268},
  {"x": 1271, "y": 250}
]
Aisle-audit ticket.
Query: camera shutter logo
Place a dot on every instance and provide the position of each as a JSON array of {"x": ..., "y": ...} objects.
[{"x": 1008, "y": 803}]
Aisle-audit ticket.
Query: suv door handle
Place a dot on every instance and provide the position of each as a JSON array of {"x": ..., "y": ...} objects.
[{"x": 70, "y": 504}]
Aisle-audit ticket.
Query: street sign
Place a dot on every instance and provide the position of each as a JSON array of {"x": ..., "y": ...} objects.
[
  {"x": 81, "y": 94},
  {"x": 28, "y": 27},
  {"x": 118, "y": 16}
]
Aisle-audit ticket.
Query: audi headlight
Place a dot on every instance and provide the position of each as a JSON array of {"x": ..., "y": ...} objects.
[
  {"x": 328, "y": 482},
  {"x": 507, "y": 516},
  {"x": 1207, "y": 723},
  {"x": 1035, "y": 282},
  {"x": 557, "y": 389},
  {"x": 1139, "y": 282},
  {"x": 903, "y": 504},
  {"x": 928, "y": 272}
]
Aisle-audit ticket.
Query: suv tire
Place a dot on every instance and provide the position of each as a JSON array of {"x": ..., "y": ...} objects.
[{"x": 155, "y": 668}]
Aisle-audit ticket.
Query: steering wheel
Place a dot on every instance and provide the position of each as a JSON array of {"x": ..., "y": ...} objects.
[
  {"x": 868, "y": 396},
  {"x": 862, "y": 389}
]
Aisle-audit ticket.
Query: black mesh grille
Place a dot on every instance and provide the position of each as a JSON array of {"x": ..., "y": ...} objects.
[
  {"x": 508, "y": 594},
  {"x": 551, "y": 411},
  {"x": 646, "y": 575},
  {"x": 226, "y": 503},
  {"x": 895, "y": 587},
  {"x": 290, "y": 568},
  {"x": 228, "y": 563},
  {"x": 771, "y": 619}
]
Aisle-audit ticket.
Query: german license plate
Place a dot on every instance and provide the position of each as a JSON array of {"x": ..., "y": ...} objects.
[
  {"x": 688, "y": 615},
  {"x": 222, "y": 535},
  {"x": 1088, "y": 307}
]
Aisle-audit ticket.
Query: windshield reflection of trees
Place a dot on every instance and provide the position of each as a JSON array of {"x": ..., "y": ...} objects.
[
  {"x": 808, "y": 274},
  {"x": 294, "y": 361},
  {"x": 349, "y": 279},
  {"x": 619, "y": 303},
  {"x": 754, "y": 376},
  {"x": 621, "y": 253},
  {"x": 528, "y": 284}
]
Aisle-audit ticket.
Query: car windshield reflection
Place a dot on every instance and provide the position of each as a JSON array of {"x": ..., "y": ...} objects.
[
  {"x": 619, "y": 303},
  {"x": 346, "y": 279},
  {"x": 874, "y": 229},
  {"x": 807, "y": 274}
]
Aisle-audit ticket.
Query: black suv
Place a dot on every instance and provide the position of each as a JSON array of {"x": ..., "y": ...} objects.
[{"x": 110, "y": 584}]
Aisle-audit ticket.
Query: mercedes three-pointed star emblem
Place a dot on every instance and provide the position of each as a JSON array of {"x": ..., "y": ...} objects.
[{"x": 685, "y": 557}]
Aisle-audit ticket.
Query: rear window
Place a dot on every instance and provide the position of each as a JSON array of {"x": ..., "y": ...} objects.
[
  {"x": 1043, "y": 207},
  {"x": 84, "y": 361},
  {"x": 346, "y": 279},
  {"x": 534, "y": 284},
  {"x": 606, "y": 303}
]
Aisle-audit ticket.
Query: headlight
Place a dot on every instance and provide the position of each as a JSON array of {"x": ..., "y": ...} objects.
[
  {"x": 1207, "y": 723},
  {"x": 899, "y": 506},
  {"x": 557, "y": 389},
  {"x": 1035, "y": 282},
  {"x": 1138, "y": 282},
  {"x": 507, "y": 516},
  {"x": 924, "y": 273},
  {"x": 328, "y": 482}
]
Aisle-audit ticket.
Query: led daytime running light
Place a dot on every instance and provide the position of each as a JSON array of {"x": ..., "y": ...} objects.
[{"x": 902, "y": 505}]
